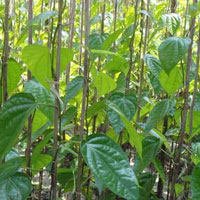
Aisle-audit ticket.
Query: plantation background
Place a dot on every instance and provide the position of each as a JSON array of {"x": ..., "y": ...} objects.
[{"x": 99, "y": 99}]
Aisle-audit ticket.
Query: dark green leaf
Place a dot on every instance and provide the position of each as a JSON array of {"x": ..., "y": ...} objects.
[
  {"x": 13, "y": 115},
  {"x": 44, "y": 98},
  {"x": 127, "y": 103},
  {"x": 17, "y": 187},
  {"x": 159, "y": 111},
  {"x": 195, "y": 182},
  {"x": 171, "y": 51},
  {"x": 150, "y": 146},
  {"x": 73, "y": 88},
  {"x": 109, "y": 163}
]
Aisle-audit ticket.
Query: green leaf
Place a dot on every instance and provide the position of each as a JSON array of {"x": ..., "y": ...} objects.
[
  {"x": 37, "y": 59},
  {"x": 73, "y": 88},
  {"x": 158, "y": 113},
  {"x": 9, "y": 168},
  {"x": 195, "y": 182},
  {"x": 127, "y": 103},
  {"x": 171, "y": 82},
  {"x": 116, "y": 64},
  {"x": 135, "y": 138},
  {"x": 146, "y": 181},
  {"x": 109, "y": 163},
  {"x": 43, "y": 16},
  {"x": 13, "y": 115},
  {"x": 150, "y": 146},
  {"x": 95, "y": 108},
  {"x": 65, "y": 58},
  {"x": 160, "y": 170},
  {"x": 171, "y": 51},
  {"x": 16, "y": 187},
  {"x": 13, "y": 74},
  {"x": 153, "y": 64},
  {"x": 172, "y": 22},
  {"x": 110, "y": 39},
  {"x": 104, "y": 84},
  {"x": 44, "y": 98}
]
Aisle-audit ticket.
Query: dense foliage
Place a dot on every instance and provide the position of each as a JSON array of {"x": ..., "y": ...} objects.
[{"x": 99, "y": 99}]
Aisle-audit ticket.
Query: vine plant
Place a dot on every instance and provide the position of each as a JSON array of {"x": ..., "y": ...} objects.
[{"x": 99, "y": 99}]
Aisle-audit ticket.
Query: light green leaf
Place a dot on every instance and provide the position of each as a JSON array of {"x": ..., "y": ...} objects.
[
  {"x": 110, "y": 39},
  {"x": 110, "y": 164},
  {"x": 43, "y": 16},
  {"x": 171, "y": 51},
  {"x": 37, "y": 59},
  {"x": 65, "y": 58},
  {"x": 13, "y": 75},
  {"x": 13, "y": 115},
  {"x": 104, "y": 84},
  {"x": 171, "y": 82},
  {"x": 16, "y": 187}
]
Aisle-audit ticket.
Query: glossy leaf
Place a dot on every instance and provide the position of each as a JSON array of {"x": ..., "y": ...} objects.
[
  {"x": 104, "y": 84},
  {"x": 171, "y": 51},
  {"x": 153, "y": 64},
  {"x": 195, "y": 182},
  {"x": 127, "y": 103},
  {"x": 9, "y": 168},
  {"x": 159, "y": 111},
  {"x": 150, "y": 146},
  {"x": 44, "y": 98},
  {"x": 16, "y": 187},
  {"x": 135, "y": 138},
  {"x": 109, "y": 163},
  {"x": 73, "y": 88},
  {"x": 13, "y": 115}
]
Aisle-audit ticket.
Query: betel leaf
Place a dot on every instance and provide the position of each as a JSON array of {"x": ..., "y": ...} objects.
[
  {"x": 110, "y": 165},
  {"x": 172, "y": 81},
  {"x": 134, "y": 138},
  {"x": 9, "y": 168},
  {"x": 110, "y": 39},
  {"x": 73, "y": 88},
  {"x": 160, "y": 110},
  {"x": 43, "y": 16},
  {"x": 153, "y": 64},
  {"x": 195, "y": 182},
  {"x": 171, "y": 51},
  {"x": 13, "y": 115},
  {"x": 127, "y": 103},
  {"x": 16, "y": 187},
  {"x": 13, "y": 74},
  {"x": 172, "y": 22},
  {"x": 44, "y": 98},
  {"x": 37, "y": 59},
  {"x": 65, "y": 58},
  {"x": 150, "y": 146},
  {"x": 104, "y": 84}
]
